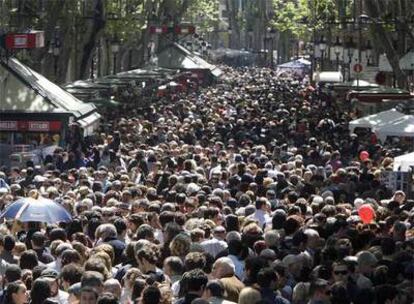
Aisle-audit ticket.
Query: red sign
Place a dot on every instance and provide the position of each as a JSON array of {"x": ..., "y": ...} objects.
[
  {"x": 162, "y": 29},
  {"x": 358, "y": 68},
  {"x": 184, "y": 29},
  {"x": 32, "y": 126},
  {"x": 31, "y": 40}
]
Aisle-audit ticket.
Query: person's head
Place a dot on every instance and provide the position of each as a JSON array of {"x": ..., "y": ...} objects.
[
  {"x": 320, "y": 290},
  {"x": 40, "y": 291},
  {"x": 51, "y": 276},
  {"x": 28, "y": 260},
  {"x": 196, "y": 281},
  {"x": 195, "y": 260},
  {"x": 38, "y": 240},
  {"x": 107, "y": 298},
  {"x": 223, "y": 267},
  {"x": 340, "y": 272},
  {"x": 249, "y": 295},
  {"x": 386, "y": 294},
  {"x": 267, "y": 278},
  {"x": 215, "y": 289},
  {"x": 151, "y": 295},
  {"x": 114, "y": 287},
  {"x": 74, "y": 293},
  {"x": 88, "y": 295},
  {"x": 340, "y": 294},
  {"x": 366, "y": 262},
  {"x": 7, "y": 243},
  {"x": 70, "y": 274},
  {"x": 173, "y": 266},
  {"x": 13, "y": 273},
  {"x": 16, "y": 293},
  {"x": 300, "y": 293},
  {"x": 92, "y": 279}
]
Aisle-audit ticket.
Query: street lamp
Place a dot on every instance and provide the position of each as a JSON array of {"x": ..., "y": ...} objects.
[
  {"x": 368, "y": 52},
  {"x": 338, "y": 48},
  {"x": 322, "y": 47},
  {"x": 115, "y": 50},
  {"x": 350, "y": 49},
  {"x": 229, "y": 31},
  {"x": 56, "y": 48}
]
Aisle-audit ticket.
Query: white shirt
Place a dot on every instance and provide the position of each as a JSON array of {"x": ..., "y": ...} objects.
[
  {"x": 214, "y": 246},
  {"x": 261, "y": 217}
]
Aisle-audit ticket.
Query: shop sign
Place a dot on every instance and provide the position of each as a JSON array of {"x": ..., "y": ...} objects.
[
  {"x": 8, "y": 125},
  {"x": 32, "y": 126}
]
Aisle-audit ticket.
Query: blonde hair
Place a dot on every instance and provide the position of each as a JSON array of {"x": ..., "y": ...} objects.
[
  {"x": 249, "y": 295},
  {"x": 180, "y": 245}
]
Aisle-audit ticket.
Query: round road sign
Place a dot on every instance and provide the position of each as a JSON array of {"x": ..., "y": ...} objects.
[{"x": 358, "y": 68}]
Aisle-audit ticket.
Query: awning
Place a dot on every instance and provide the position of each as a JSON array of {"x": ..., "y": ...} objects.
[
  {"x": 407, "y": 61},
  {"x": 90, "y": 123}
]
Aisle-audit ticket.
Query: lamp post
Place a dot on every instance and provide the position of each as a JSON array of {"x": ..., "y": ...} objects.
[
  {"x": 115, "y": 50},
  {"x": 56, "y": 49},
  {"x": 338, "y": 50},
  {"x": 322, "y": 47},
  {"x": 272, "y": 37},
  {"x": 350, "y": 47},
  {"x": 368, "y": 52},
  {"x": 229, "y": 31}
]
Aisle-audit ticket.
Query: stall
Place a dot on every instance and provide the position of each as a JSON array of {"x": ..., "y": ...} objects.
[
  {"x": 177, "y": 57},
  {"x": 402, "y": 127},
  {"x": 34, "y": 111},
  {"x": 375, "y": 120}
]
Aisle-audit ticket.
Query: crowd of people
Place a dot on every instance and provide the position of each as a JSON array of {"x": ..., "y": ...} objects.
[{"x": 247, "y": 191}]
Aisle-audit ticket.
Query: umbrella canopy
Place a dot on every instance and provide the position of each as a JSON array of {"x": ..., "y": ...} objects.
[{"x": 36, "y": 210}]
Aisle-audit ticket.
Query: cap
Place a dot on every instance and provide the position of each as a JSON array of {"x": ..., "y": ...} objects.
[{"x": 49, "y": 273}]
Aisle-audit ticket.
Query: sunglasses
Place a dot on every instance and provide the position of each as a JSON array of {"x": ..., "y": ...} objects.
[{"x": 338, "y": 272}]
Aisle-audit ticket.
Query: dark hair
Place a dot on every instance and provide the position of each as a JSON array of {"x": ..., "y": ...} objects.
[
  {"x": 232, "y": 223},
  {"x": 107, "y": 298},
  {"x": 151, "y": 295},
  {"x": 12, "y": 288},
  {"x": 139, "y": 285},
  {"x": 13, "y": 273},
  {"x": 254, "y": 265},
  {"x": 71, "y": 273},
  {"x": 9, "y": 242},
  {"x": 385, "y": 292},
  {"x": 176, "y": 265},
  {"x": 196, "y": 280},
  {"x": 265, "y": 276},
  {"x": 340, "y": 294},
  {"x": 57, "y": 234},
  {"x": 216, "y": 288},
  {"x": 120, "y": 225},
  {"x": 40, "y": 291},
  {"x": 92, "y": 279},
  {"x": 28, "y": 260}
]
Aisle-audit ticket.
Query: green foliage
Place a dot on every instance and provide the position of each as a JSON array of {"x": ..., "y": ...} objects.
[
  {"x": 203, "y": 14},
  {"x": 300, "y": 17}
]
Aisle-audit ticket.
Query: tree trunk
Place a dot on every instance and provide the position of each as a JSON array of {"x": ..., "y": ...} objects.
[
  {"x": 385, "y": 41},
  {"x": 96, "y": 26}
]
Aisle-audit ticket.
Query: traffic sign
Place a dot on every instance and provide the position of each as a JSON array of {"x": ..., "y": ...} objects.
[{"x": 358, "y": 68}]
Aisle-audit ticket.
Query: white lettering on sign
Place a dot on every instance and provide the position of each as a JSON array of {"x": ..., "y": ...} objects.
[
  {"x": 8, "y": 125},
  {"x": 20, "y": 41},
  {"x": 38, "y": 126}
]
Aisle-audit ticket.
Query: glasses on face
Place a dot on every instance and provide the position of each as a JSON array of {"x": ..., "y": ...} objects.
[{"x": 341, "y": 272}]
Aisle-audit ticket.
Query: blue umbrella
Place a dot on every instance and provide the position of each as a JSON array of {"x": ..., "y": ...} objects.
[{"x": 36, "y": 210}]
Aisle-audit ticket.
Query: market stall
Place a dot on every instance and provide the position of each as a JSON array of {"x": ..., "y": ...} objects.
[
  {"x": 375, "y": 120},
  {"x": 402, "y": 127},
  {"x": 34, "y": 111},
  {"x": 177, "y": 57}
]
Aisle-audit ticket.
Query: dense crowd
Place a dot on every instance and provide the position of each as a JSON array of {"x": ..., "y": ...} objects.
[{"x": 245, "y": 192}]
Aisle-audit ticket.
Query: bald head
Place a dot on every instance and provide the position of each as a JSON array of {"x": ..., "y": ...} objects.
[{"x": 223, "y": 267}]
